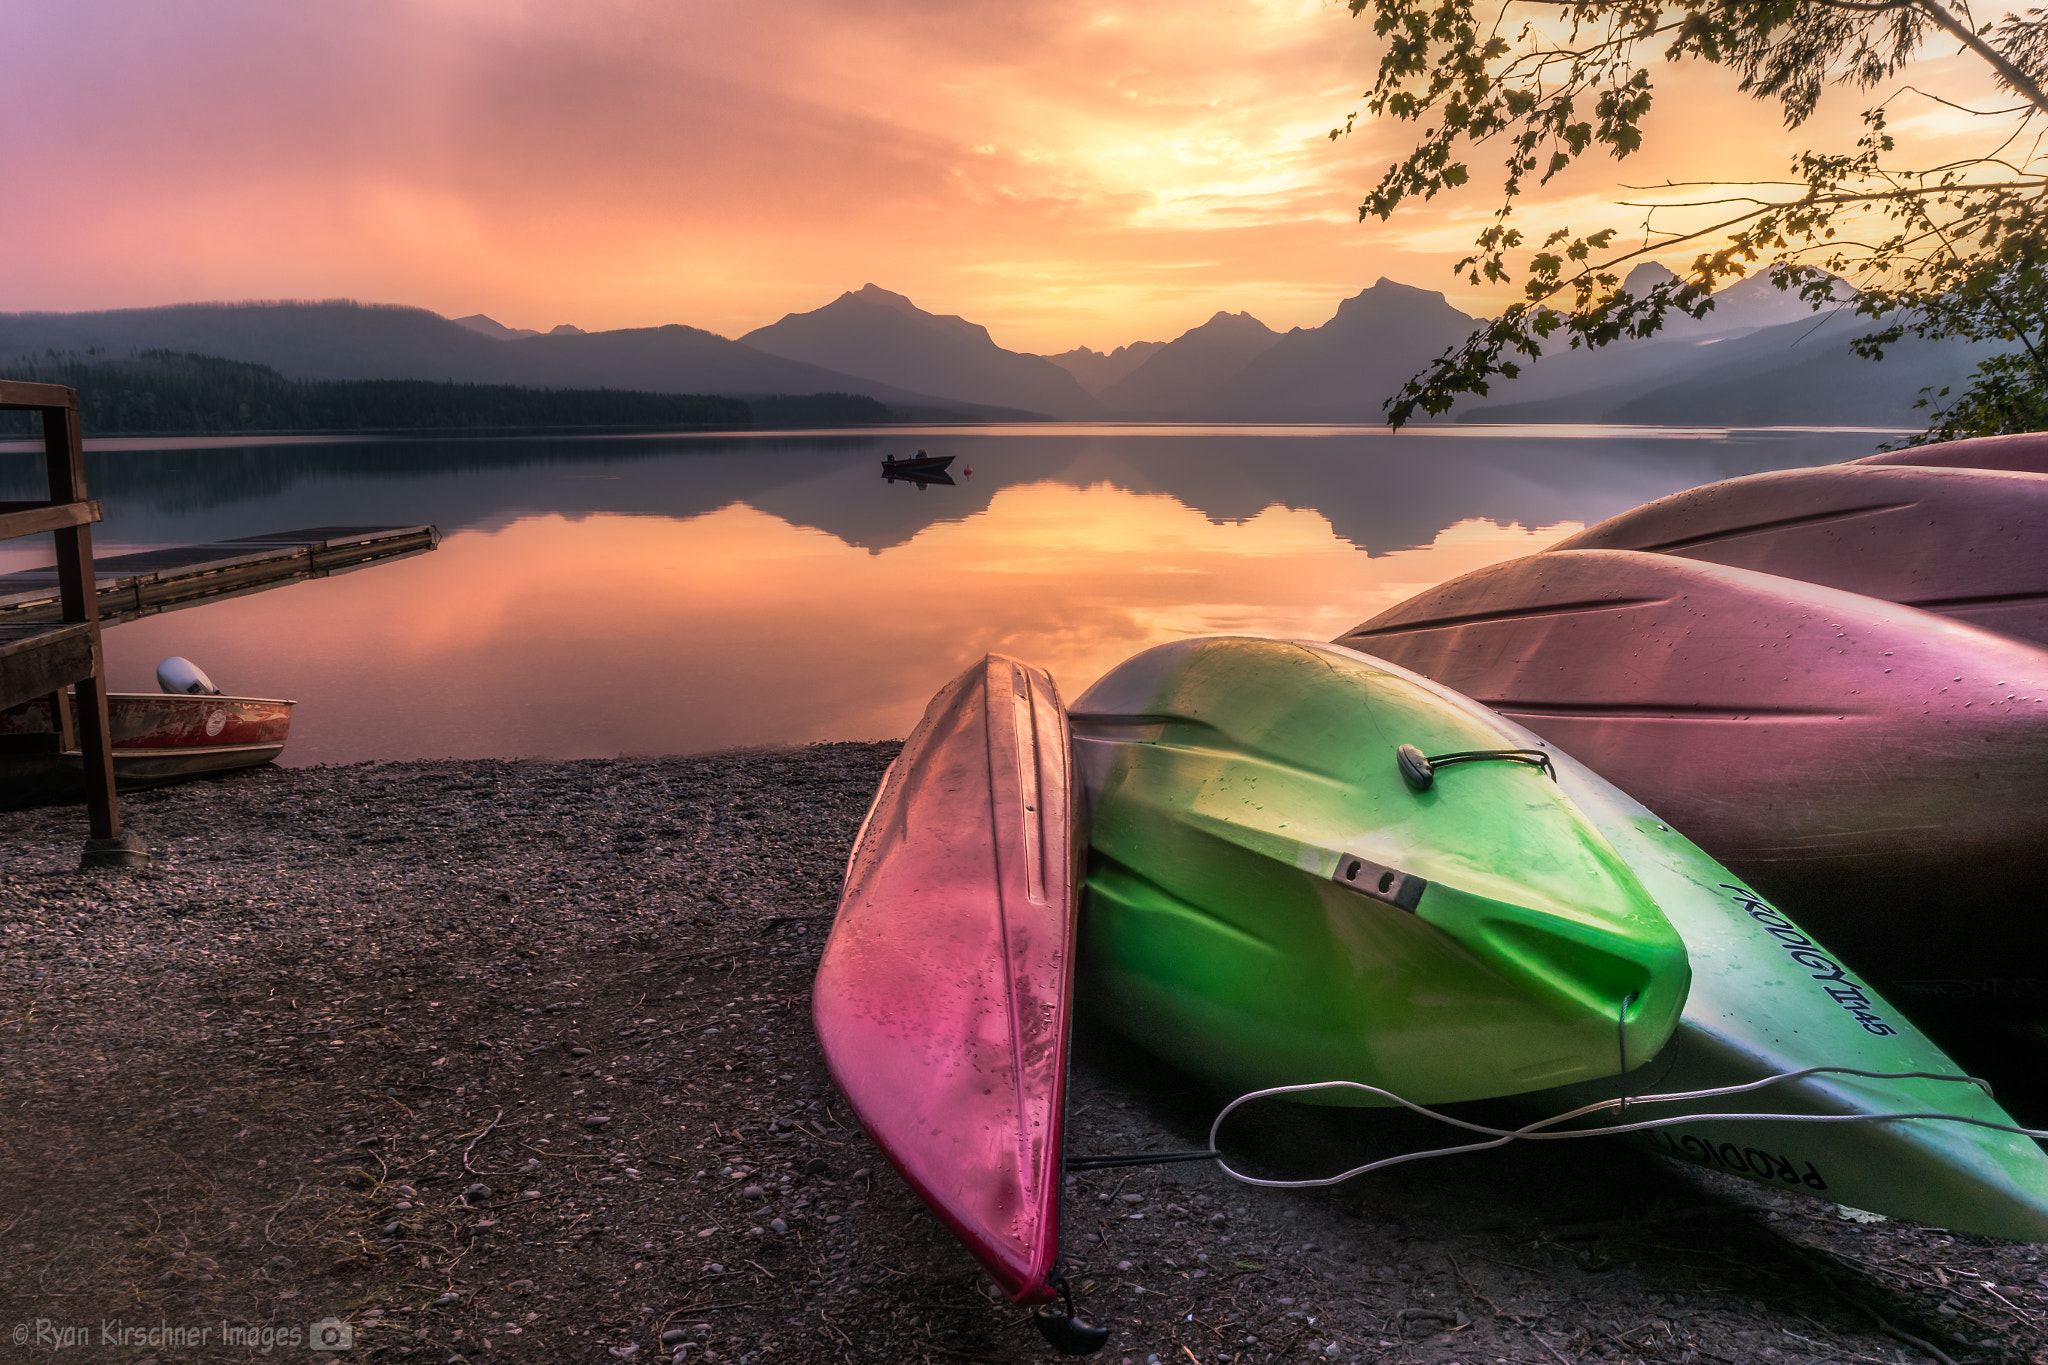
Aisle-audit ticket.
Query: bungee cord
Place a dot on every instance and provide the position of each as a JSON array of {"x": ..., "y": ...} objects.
[{"x": 1541, "y": 1129}]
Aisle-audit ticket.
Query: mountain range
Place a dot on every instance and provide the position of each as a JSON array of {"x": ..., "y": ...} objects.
[{"x": 1759, "y": 358}]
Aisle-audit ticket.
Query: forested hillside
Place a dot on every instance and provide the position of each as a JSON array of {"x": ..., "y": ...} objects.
[{"x": 159, "y": 392}]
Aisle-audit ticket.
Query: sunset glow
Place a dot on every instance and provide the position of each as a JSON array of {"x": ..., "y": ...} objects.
[
  {"x": 1066, "y": 173},
  {"x": 750, "y": 630}
]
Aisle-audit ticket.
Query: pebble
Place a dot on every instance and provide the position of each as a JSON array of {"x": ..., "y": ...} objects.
[
  {"x": 626, "y": 1352},
  {"x": 597, "y": 1120},
  {"x": 754, "y": 1192},
  {"x": 582, "y": 1052},
  {"x": 674, "y": 1336},
  {"x": 777, "y": 1226},
  {"x": 478, "y": 1194},
  {"x": 446, "y": 1299}
]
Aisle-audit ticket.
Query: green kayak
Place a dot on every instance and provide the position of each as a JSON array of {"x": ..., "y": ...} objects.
[
  {"x": 1284, "y": 888},
  {"x": 1768, "y": 999}
]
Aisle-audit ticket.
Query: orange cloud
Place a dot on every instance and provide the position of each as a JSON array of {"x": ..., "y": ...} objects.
[{"x": 1068, "y": 173}]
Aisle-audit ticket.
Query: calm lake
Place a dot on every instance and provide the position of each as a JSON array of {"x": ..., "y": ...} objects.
[{"x": 597, "y": 596}]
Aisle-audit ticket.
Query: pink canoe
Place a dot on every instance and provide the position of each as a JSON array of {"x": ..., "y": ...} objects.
[
  {"x": 1971, "y": 544},
  {"x": 1880, "y": 772},
  {"x": 943, "y": 997},
  {"x": 158, "y": 738},
  {"x": 2026, "y": 452}
]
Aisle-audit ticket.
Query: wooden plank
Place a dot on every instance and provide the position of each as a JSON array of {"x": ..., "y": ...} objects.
[
  {"x": 36, "y": 660},
  {"x": 157, "y": 580},
  {"x": 18, "y": 393},
  {"x": 32, "y": 518}
]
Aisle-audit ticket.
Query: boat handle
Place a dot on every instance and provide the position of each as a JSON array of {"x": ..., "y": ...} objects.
[{"x": 1418, "y": 769}]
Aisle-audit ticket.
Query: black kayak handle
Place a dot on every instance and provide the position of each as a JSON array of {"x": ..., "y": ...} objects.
[{"x": 1418, "y": 769}]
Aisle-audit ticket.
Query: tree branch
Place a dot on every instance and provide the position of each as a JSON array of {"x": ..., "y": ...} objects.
[{"x": 2020, "y": 81}]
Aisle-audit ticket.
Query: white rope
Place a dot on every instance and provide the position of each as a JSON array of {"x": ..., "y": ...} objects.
[{"x": 1536, "y": 1132}]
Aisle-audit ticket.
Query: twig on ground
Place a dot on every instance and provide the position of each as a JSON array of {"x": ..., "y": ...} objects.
[
  {"x": 1907, "y": 1337},
  {"x": 276, "y": 1211},
  {"x": 479, "y": 1138}
]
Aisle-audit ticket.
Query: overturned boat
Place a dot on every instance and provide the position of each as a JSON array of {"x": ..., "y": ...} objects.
[
  {"x": 1770, "y": 1000},
  {"x": 2026, "y": 450},
  {"x": 943, "y": 996},
  {"x": 1970, "y": 544},
  {"x": 1879, "y": 771},
  {"x": 1305, "y": 865}
]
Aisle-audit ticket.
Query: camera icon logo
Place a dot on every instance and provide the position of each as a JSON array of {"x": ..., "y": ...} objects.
[{"x": 330, "y": 1334}]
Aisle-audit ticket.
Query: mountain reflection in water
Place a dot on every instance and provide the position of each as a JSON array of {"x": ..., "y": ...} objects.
[{"x": 667, "y": 594}]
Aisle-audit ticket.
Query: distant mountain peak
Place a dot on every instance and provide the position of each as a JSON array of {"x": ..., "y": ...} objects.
[
  {"x": 874, "y": 293},
  {"x": 1647, "y": 276},
  {"x": 1095, "y": 371},
  {"x": 492, "y": 328},
  {"x": 565, "y": 330},
  {"x": 879, "y": 334},
  {"x": 1223, "y": 319},
  {"x": 1183, "y": 373},
  {"x": 1390, "y": 298}
]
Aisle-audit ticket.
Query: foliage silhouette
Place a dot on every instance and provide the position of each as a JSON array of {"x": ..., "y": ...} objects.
[{"x": 1958, "y": 249}]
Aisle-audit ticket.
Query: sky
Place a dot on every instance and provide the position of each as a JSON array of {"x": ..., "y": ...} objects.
[{"x": 1065, "y": 172}]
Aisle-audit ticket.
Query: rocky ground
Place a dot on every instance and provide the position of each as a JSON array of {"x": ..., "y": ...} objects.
[{"x": 513, "y": 1060}]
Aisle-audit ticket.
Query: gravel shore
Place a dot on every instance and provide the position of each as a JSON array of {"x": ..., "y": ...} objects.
[{"x": 513, "y": 1060}]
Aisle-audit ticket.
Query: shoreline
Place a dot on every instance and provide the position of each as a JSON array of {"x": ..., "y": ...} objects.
[{"x": 263, "y": 1081}]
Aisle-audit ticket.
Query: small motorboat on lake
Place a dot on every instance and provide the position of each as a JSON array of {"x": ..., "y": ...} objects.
[
  {"x": 157, "y": 738},
  {"x": 914, "y": 465}
]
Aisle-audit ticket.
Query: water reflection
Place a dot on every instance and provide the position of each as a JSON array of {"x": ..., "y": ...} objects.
[{"x": 593, "y": 596}]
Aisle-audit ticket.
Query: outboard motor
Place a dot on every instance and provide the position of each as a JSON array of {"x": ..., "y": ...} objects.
[{"x": 181, "y": 675}]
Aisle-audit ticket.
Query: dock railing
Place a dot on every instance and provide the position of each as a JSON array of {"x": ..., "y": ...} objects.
[{"x": 42, "y": 658}]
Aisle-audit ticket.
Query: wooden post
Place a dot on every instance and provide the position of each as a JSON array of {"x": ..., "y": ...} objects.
[
  {"x": 64, "y": 454},
  {"x": 60, "y": 721}
]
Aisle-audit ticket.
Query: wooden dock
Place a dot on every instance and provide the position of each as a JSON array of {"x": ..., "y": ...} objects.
[{"x": 138, "y": 585}]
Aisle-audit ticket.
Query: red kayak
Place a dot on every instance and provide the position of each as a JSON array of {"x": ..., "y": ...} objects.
[
  {"x": 1971, "y": 544},
  {"x": 1881, "y": 772},
  {"x": 2025, "y": 452},
  {"x": 943, "y": 997}
]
